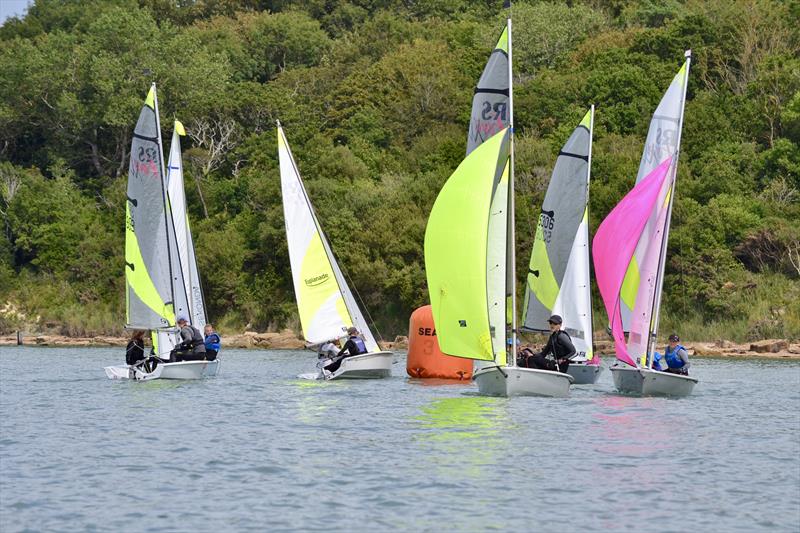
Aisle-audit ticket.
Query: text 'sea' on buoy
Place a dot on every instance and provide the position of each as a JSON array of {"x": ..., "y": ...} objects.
[{"x": 425, "y": 359}]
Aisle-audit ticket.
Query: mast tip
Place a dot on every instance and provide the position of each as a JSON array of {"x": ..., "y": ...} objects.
[{"x": 688, "y": 53}]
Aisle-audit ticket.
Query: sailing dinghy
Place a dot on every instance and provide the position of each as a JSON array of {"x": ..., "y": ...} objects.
[
  {"x": 154, "y": 276},
  {"x": 558, "y": 275},
  {"x": 324, "y": 301},
  {"x": 469, "y": 247},
  {"x": 629, "y": 251}
]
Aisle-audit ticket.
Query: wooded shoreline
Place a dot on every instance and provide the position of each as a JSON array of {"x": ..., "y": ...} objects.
[{"x": 289, "y": 340}]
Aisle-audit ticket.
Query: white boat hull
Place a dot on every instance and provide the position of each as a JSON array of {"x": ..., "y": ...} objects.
[
  {"x": 646, "y": 382},
  {"x": 182, "y": 370},
  {"x": 365, "y": 366},
  {"x": 584, "y": 374},
  {"x": 516, "y": 381}
]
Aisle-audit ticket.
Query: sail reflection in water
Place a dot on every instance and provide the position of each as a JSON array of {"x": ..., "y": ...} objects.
[{"x": 466, "y": 432}]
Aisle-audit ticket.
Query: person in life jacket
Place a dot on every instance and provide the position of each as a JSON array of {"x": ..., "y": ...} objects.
[
  {"x": 559, "y": 346},
  {"x": 676, "y": 357},
  {"x": 193, "y": 347},
  {"x": 212, "y": 342},
  {"x": 354, "y": 346}
]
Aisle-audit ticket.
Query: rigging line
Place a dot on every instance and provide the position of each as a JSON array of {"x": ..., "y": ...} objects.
[{"x": 363, "y": 305}]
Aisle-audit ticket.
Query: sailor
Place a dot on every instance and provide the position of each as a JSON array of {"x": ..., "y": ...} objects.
[
  {"x": 135, "y": 350},
  {"x": 559, "y": 346},
  {"x": 328, "y": 350},
  {"x": 657, "y": 358},
  {"x": 212, "y": 342},
  {"x": 192, "y": 347},
  {"x": 354, "y": 346},
  {"x": 676, "y": 357}
]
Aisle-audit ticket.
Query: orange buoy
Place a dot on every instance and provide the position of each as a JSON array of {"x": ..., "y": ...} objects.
[{"x": 425, "y": 359}]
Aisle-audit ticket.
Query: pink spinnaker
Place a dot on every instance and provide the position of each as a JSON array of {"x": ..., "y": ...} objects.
[{"x": 614, "y": 244}]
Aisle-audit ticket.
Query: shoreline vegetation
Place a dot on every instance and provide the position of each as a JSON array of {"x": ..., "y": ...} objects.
[{"x": 289, "y": 340}]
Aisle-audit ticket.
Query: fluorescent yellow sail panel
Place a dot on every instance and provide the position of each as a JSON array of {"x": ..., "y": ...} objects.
[
  {"x": 502, "y": 42},
  {"x": 456, "y": 251},
  {"x": 138, "y": 278},
  {"x": 318, "y": 286},
  {"x": 151, "y": 98},
  {"x": 541, "y": 279}
]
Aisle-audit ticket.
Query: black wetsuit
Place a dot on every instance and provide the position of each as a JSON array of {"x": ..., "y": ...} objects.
[
  {"x": 560, "y": 346},
  {"x": 134, "y": 352}
]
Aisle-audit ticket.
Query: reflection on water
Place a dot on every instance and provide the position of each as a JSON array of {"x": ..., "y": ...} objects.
[
  {"x": 465, "y": 432},
  {"x": 313, "y": 406}
]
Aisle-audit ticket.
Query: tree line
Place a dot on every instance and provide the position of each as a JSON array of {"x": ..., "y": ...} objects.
[{"x": 375, "y": 98}]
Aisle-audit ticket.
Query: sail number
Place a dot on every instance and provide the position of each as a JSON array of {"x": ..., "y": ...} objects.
[
  {"x": 547, "y": 221},
  {"x": 146, "y": 161}
]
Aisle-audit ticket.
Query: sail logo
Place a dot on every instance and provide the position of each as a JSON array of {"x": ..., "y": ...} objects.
[
  {"x": 316, "y": 280},
  {"x": 547, "y": 222},
  {"x": 664, "y": 145},
  {"x": 492, "y": 118}
]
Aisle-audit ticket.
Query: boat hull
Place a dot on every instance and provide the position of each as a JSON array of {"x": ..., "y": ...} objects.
[
  {"x": 516, "y": 381},
  {"x": 646, "y": 382},
  {"x": 584, "y": 374},
  {"x": 365, "y": 366},
  {"x": 182, "y": 370}
]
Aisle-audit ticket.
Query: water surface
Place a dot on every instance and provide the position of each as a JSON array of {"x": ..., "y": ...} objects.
[{"x": 257, "y": 449}]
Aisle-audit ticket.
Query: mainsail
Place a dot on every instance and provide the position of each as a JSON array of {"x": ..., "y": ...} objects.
[
  {"x": 558, "y": 274},
  {"x": 148, "y": 270},
  {"x": 324, "y": 301},
  {"x": 490, "y": 105},
  {"x": 663, "y": 139},
  {"x": 467, "y": 276}
]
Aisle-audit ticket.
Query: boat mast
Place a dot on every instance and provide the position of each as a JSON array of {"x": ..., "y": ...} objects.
[
  {"x": 163, "y": 193},
  {"x": 588, "y": 183},
  {"x": 656, "y": 311},
  {"x": 511, "y": 256}
]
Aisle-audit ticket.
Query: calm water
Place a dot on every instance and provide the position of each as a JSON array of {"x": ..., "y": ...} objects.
[{"x": 256, "y": 449}]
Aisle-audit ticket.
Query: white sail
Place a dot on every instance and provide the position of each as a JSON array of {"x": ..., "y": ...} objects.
[
  {"x": 324, "y": 301},
  {"x": 183, "y": 233}
]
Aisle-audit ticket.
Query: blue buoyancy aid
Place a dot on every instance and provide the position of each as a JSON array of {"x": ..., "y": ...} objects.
[
  {"x": 673, "y": 360},
  {"x": 362, "y": 348},
  {"x": 213, "y": 342}
]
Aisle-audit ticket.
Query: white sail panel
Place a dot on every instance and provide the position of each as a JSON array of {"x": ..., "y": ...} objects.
[
  {"x": 190, "y": 278},
  {"x": 573, "y": 303},
  {"x": 496, "y": 266}
]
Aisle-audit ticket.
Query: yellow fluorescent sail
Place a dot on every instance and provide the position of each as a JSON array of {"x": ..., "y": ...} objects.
[{"x": 456, "y": 251}]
